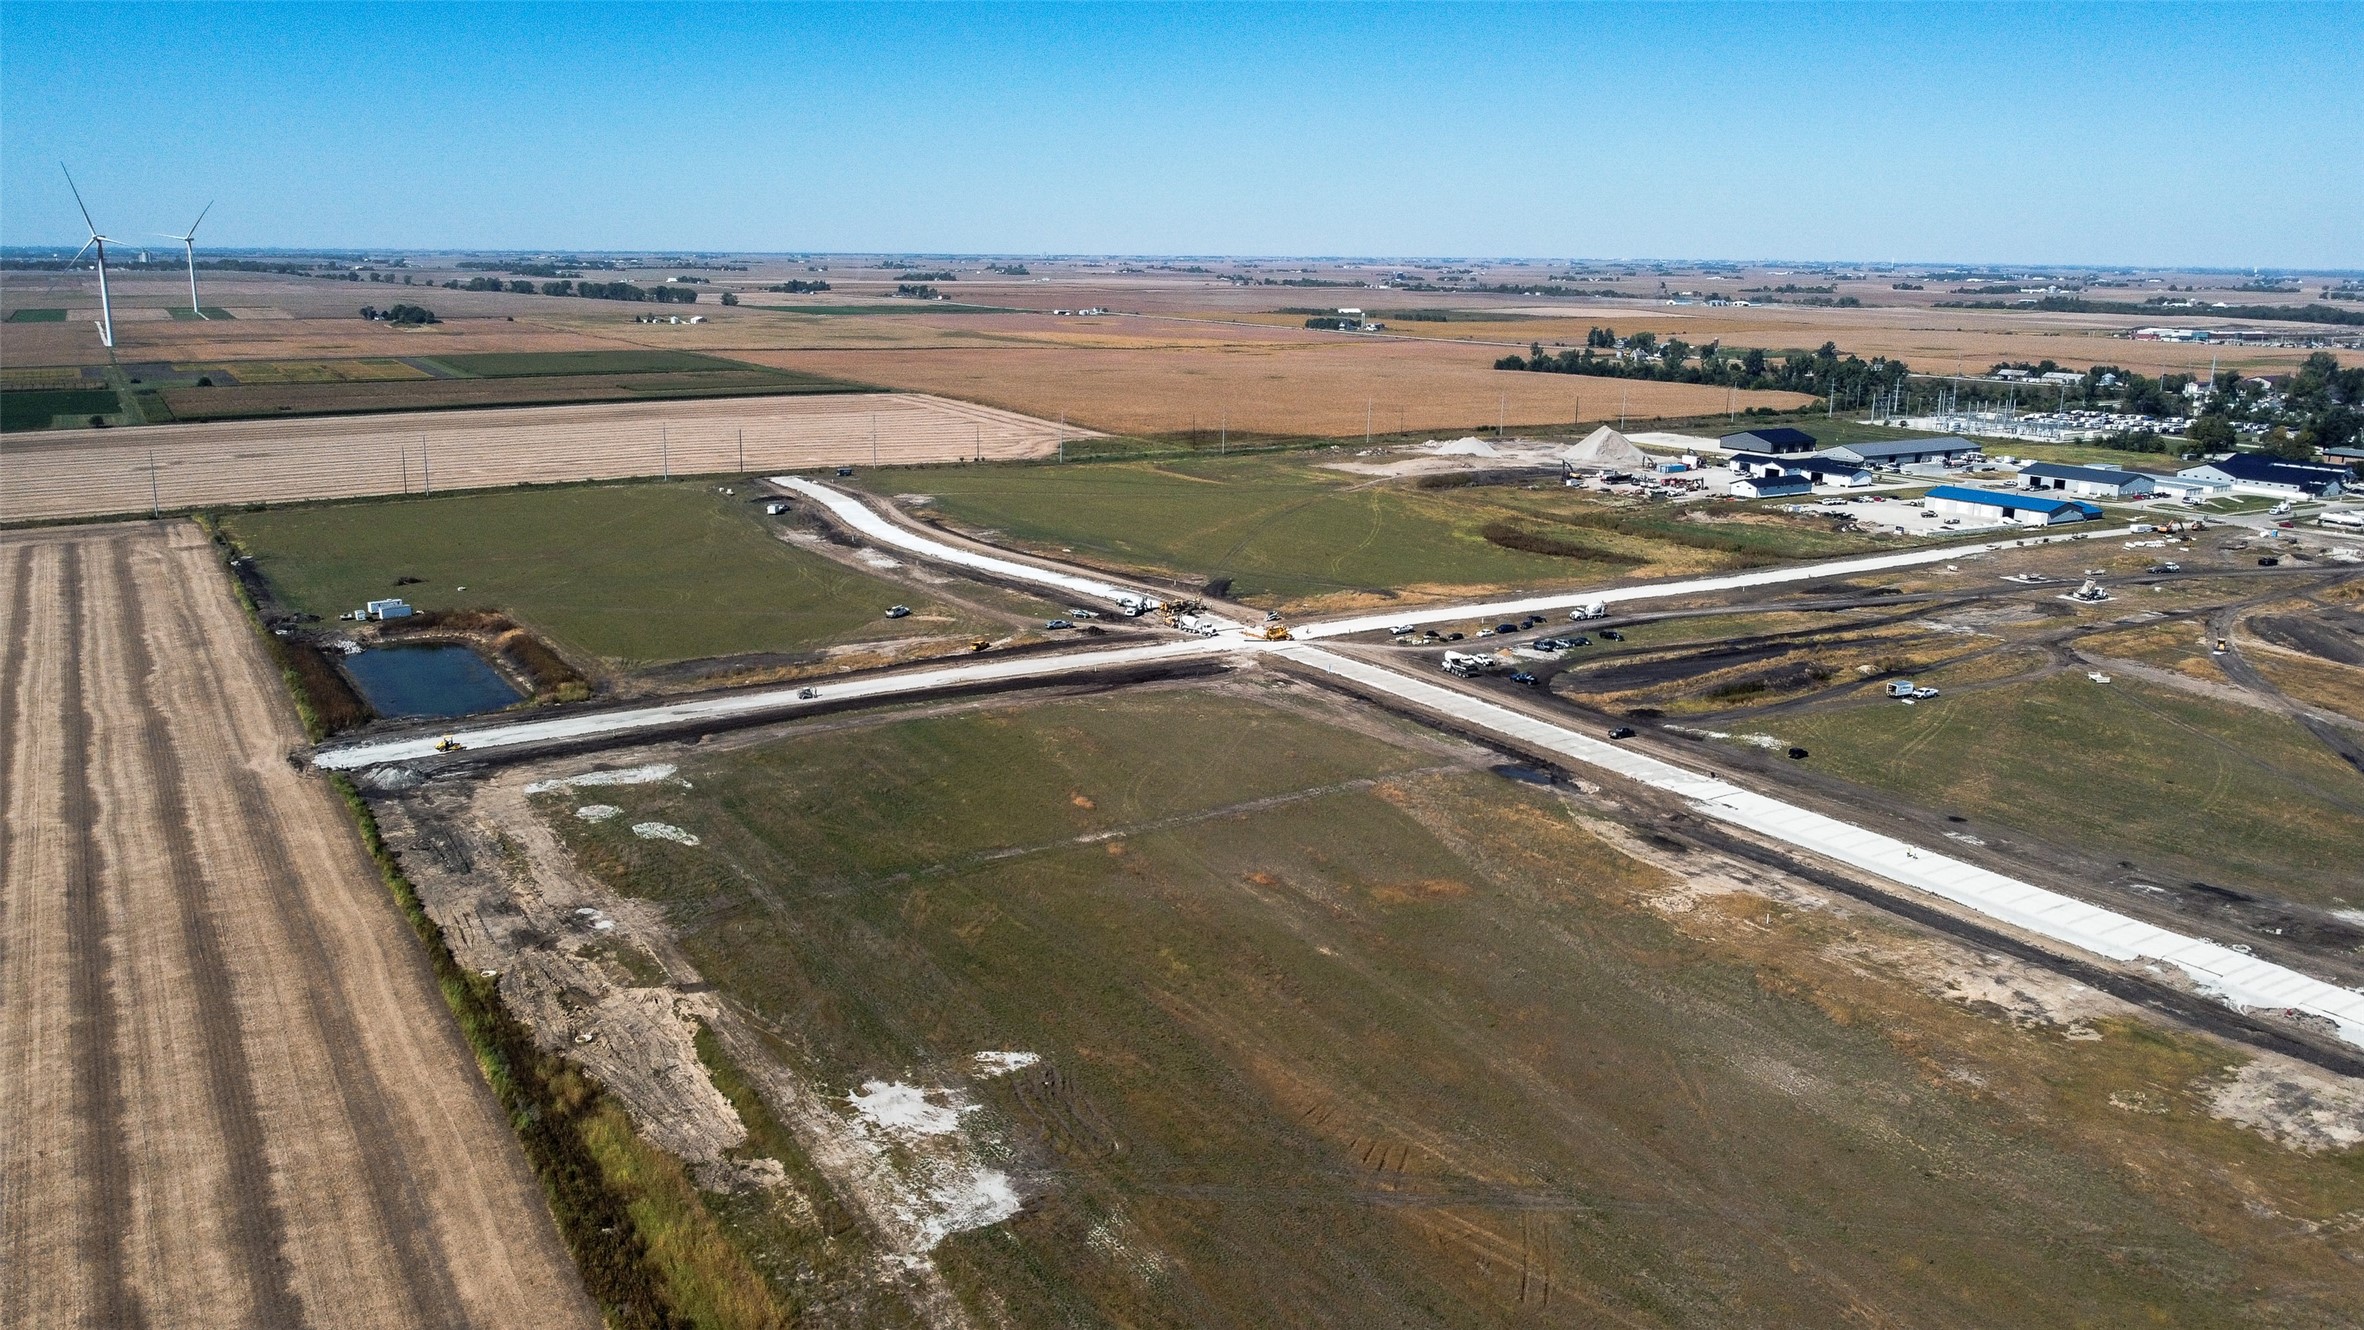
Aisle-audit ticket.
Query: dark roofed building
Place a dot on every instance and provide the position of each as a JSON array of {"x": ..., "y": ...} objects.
[
  {"x": 2088, "y": 482},
  {"x": 1901, "y": 452},
  {"x": 2255, "y": 473},
  {"x": 1779, "y": 441}
]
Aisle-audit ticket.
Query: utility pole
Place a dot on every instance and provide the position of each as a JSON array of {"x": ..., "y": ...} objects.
[
  {"x": 742, "y": 451},
  {"x": 1501, "y": 414},
  {"x": 665, "y": 452},
  {"x": 405, "y": 467},
  {"x": 1368, "y": 406},
  {"x": 155, "y": 505},
  {"x": 1062, "y": 436},
  {"x": 979, "y": 431},
  {"x": 1223, "y": 432},
  {"x": 874, "y": 438},
  {"x": 426, "y": 472}
]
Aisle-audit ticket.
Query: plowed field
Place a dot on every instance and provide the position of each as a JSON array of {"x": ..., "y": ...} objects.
[{"x": 234, "y": 1095}]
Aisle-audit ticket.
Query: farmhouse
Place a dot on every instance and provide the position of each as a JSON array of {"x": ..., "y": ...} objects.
[
  {"x": 2087, "y": 482},
  {"x": 1778, "y": 441},
  {"x": 1770, "y": 487},
  {"x": 2251, "y": 473},
  {"x": 1998, "y": 506},
  {"x": 1899, "y": 452}
]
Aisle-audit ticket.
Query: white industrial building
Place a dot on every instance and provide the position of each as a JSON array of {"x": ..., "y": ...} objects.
[
  {"x": 1982, "y": 505},
  {"x": 2087, "y": 482}
]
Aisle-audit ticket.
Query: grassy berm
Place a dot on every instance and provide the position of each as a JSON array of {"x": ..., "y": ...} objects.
[
  {"x": 1339, "y": 1027},
  {"x": 630, "y": 574}
]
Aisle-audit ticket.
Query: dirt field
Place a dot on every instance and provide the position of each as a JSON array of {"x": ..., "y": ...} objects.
[
  {"x": 234, "y": 1095},
  {"x": 1304, "y": 386},
  {"x": 85, "y": 474}
]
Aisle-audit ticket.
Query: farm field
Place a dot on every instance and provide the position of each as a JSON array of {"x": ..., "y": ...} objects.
[
  {"x": 1312, "y": 386},
  {"x": 235, "y": 1097},
  {"x": 283, "y": 461},
  {"x": 1273, "y": 1012},
  {"x": 24, "y": 409},
  {"x": 629, "y": 575},
  {"x": 1285, "y": 531},
  {"x": 2175, "y": 782}
]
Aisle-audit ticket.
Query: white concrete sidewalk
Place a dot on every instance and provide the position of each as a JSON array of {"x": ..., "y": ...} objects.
[{"x": 2241, "y": 980}]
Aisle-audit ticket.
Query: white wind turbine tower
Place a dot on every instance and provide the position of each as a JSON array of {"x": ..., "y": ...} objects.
[
  {"x": 189, "y": 246},
  {"x": 106, "y": 325}
]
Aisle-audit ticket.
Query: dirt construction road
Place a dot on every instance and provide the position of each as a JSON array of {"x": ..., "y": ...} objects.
[{"x": 233, "y": 1095}]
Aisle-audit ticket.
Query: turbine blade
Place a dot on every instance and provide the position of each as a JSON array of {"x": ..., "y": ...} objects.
[
  {"x": 200, "y": 220},
  {"x": 84, "y": 250},
  {"x": 78, "y": 199}
]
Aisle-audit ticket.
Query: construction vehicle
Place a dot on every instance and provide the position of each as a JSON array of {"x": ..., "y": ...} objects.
[
  {"x": 1591, "y": 609},
  {"x": 980, "y": 644},
  {"x": 1271, "y": 632},
  {"x": 448, "y": 744},
  {"x": 807, "y": 694}
]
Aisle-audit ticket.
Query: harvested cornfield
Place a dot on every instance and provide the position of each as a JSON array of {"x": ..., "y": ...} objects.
[{"x": 282, "y": 460}]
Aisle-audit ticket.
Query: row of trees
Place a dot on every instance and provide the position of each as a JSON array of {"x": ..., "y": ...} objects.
[
  {"x": 663, "y": 295},
  {"x": 411, "y": 315},
  {"x": 1823, "y": 372},
  {"x": 798, "y": 288}
]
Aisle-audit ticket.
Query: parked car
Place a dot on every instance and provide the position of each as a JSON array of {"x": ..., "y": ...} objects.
[
  {"x": 1522, "y": 677},
  {"x": 1579, "y": 641},
  {"x": 1058, "y": 623},
  {"x": 1506, "y": 628},
  {"x": 1622, "y": 732},
  {"x": 1452, "y": 637},
  {"x": 898, "y": 611},
  {"x": 1797, "y": 754},
  {"x": 1611, "y": 635}
]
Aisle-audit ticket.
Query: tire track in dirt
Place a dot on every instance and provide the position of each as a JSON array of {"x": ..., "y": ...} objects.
[
  {"x": 41, "y": 1283},
  {"x": 392, "y": 1195},
  {"x": 12, "y": 664},
  {"x": 257, "y": 1231},
  {"x": 98, "y": 1125}
]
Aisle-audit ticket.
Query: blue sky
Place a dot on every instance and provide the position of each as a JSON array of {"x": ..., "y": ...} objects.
[{"x": 2149, "y": 134}]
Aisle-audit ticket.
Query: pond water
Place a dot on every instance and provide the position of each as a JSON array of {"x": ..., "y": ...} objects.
[{"x": 429, "y": 679}]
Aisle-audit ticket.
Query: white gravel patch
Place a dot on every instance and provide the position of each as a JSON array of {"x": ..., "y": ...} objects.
[
  {"x": 991, "y": 1064},
  {"x": 597, "y": 812},
  {"x": 645, "y": 775},
  {"x": 663, "y": 831},
  {"x": 897, "y": 1109}
]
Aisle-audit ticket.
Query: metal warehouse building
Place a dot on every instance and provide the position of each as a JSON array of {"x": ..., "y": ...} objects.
[
  {"x": 2087, "y": 482},
  {"x": 1779, "y": 441},
  {"x": 1898, "y": 452},
  {"x": 2251, "y": 473},
  {"x": 1999, "y": 506}
]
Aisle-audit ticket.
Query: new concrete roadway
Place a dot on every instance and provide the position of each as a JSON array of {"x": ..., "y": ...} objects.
[{"x": 2232, "y": 976}]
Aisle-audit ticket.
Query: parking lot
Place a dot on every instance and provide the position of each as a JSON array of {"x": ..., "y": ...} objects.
[{"x": 1890, "y": 514}]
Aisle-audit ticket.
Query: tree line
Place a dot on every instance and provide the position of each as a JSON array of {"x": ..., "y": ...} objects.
[{"x": 1821, "y": 373}]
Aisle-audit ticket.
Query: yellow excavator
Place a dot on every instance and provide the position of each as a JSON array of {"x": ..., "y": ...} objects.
[{"x": 448, "y": 744}]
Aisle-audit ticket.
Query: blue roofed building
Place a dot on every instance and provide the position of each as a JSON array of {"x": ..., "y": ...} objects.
[
  {"x": 1984, "y": 505},
  {"x": 2255, "y": 473}
]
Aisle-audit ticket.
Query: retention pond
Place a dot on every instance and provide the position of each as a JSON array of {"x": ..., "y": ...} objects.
[{"x": 429, "y": 679}]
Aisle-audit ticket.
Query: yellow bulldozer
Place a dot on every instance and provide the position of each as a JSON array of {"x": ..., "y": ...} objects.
[{"x": 448, "y": 744}]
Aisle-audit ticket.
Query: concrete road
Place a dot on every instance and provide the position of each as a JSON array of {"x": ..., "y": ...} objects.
[
  {"x": 2232, "y": 976},
  {"x": 626, "y": 724}
]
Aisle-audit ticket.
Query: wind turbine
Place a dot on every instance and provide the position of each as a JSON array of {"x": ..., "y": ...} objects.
[
  {"x": 189, "y": 245},
  {"x": 106, "y": 325}
]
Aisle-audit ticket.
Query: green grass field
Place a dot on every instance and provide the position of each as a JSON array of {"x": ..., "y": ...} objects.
[
  {"x": 33, "y": 408},
  {"x": 534, "y": 364},
  {"x": 184, "y": 314},
  {"x": 2174, "y": 783},
  {"x": 1288, "y": 532},
  {"x": 633, "y": 574},
  {"x": 1387, "y": 1047},
  {"x": 36, "y": 316}
]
